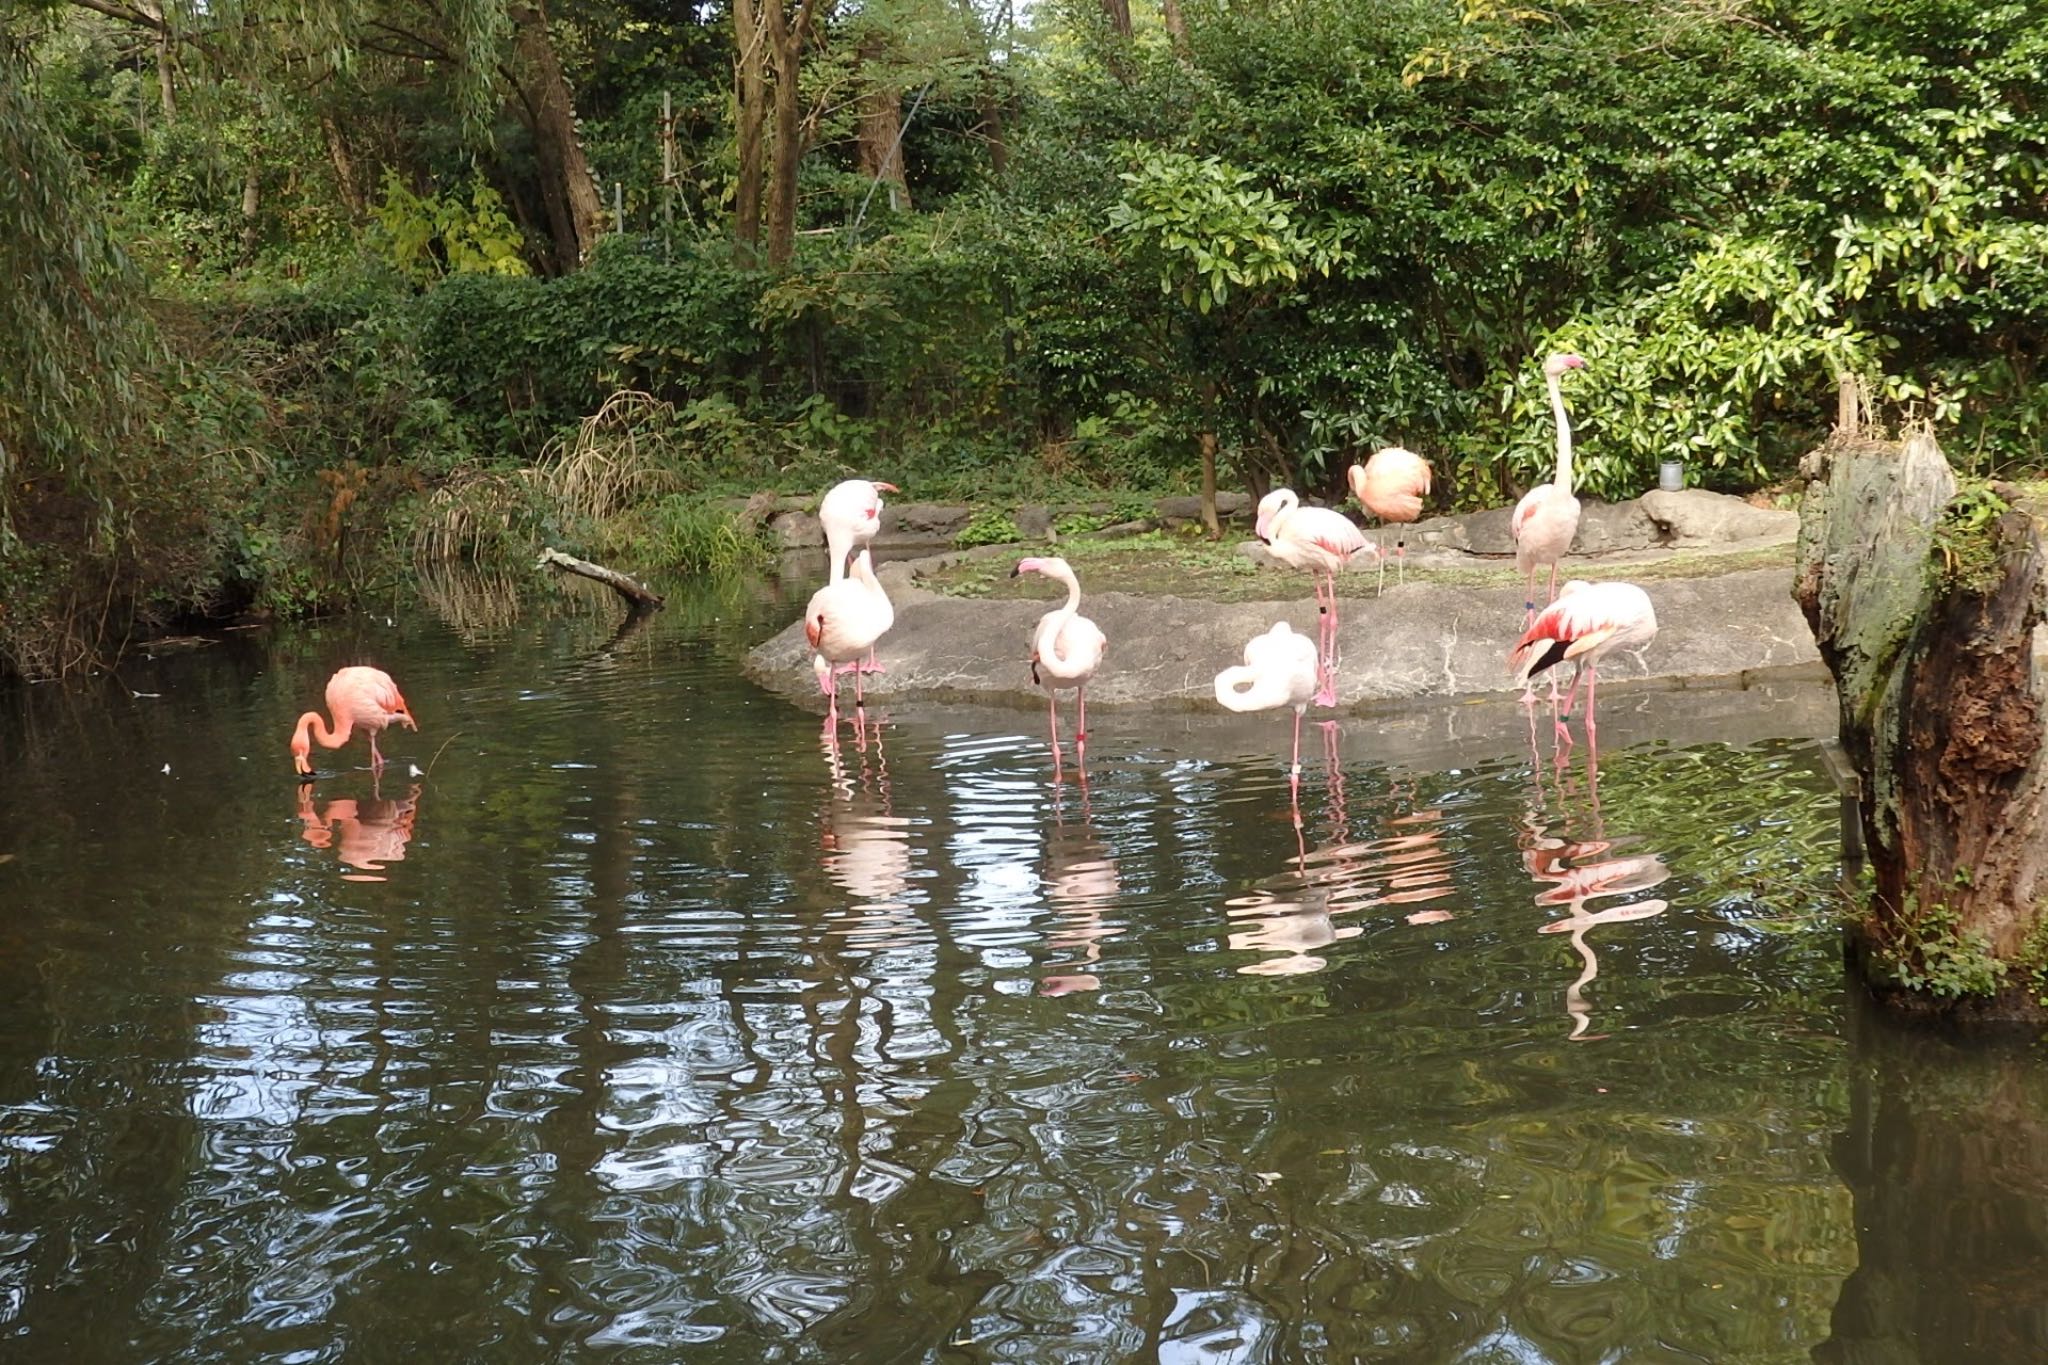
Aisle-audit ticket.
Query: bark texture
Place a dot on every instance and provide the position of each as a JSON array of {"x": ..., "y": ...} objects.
[
  {"x": 574, "y": 208},
  {"x": 750, "y": 37},
  {"x": 638, "y": 598},
  {"x": 1923, "y": 602},
  {"x": 880, "y": 132},
  {"x": 786, "y": 39}
]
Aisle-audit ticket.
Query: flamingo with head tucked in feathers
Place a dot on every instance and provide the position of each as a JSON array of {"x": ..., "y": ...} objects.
[
  {"x": 1547, "y": 518},
  {"x": 1391, "y": 486},
  {"x": 1066, "y": 649},
  {"x": 1585, "y": 623},
  {"x": 851, "y": 513},
  {"x": 842, "y": 622},
  {"x": 361, "y": 699},
  {"x": 1325, "y": 543},
  {"x": 1280, "y": 669}
]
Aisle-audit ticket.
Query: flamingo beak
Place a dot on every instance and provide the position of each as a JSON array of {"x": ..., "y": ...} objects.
[{"x": 887, "y": 487}]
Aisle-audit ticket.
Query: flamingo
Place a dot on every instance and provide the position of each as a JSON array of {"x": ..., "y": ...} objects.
[
  {"x": 1324, "y": 543},
  {"x": 1547, "y": 517},
  {"x": 361, "y": 699},
  {"x": 1280, "y": 669},
  {"x": 851, "y": 513},
  {"x": 1587, "y": 621},
  {"x": 842, "y": 621},
  {"x": 1391, "y": 485},
  {"x": 1068, "y": 647}
]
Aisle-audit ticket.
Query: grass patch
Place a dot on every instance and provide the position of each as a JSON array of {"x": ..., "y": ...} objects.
[{"x": 1190, "y": 565}]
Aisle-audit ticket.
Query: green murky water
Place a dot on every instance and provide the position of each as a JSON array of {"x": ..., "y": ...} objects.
[{"x": 645, "y": 1027}]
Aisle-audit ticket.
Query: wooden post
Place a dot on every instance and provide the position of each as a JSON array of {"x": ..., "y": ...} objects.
[{"x": 1923, "y": 598}]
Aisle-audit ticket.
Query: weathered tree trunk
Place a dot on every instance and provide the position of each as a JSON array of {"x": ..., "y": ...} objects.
[
  {"x": 880, "y": 134},
  {"x": 785, "y": 48},
  {"x": 1119, "y": 14},
  {"x": 988, "y": 108},
  {"x": 252, "y": 209},
  {"x": 638, "y": 598},
  {"x": 575, "y": 210},
  {"x": 750, "y": 37},
  {"x": 1177, "y": 30},
  {"x": 1923, "y": 602},
  {"x": 344, "y": 162},
  {"x": 1210, "y": 520}
]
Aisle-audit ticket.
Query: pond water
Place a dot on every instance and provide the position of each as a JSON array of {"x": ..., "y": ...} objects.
[{"x": 646, "y": 1027}]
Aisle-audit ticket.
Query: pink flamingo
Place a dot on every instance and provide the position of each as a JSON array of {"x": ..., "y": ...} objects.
[
  {"x": 1547, "y": 517},
  {"x": 1587, "y": 621},
  {"x": 1324, "y": 543},
  {"x": 1391, "y": 485},
  {"x": 361, "y": 699},
  {"x": 1280, "y": 669},
  {"x": 851, "y": 513},
  {"x": 842, "y": 622},
  {"x": 1067, "y": 647}
]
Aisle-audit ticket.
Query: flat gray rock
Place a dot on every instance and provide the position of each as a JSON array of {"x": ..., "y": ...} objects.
[{"x": 1418, "y": 640}]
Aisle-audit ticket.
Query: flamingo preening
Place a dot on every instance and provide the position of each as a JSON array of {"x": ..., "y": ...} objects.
[
  {"x": 360, "y": 699},
  {"x": 1324, "y": 543},
  {"x": 1066, "y": 649},
  {"x": 1280, "y": 669},
  {"x": 851, "y": 513},
  {"x": 1587, "y": 621},
  {"x": 1391, "y": 486},
  {"x": 842, "y": 622},
  {"x": 1547, "y": 518}
]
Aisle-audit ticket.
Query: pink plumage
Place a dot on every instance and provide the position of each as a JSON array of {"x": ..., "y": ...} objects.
[
  {"x": 1324, "y": 543},
  {"x": 1585, "y": 623},
  {"x": 1391, "y": 486},
  {"x": 1546, "y": 520},
  {"x": 359, "y": 698},
  {"x": 842, "y": 621}
]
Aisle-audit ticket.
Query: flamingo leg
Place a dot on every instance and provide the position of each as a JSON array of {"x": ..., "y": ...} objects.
[
  {"x": 1052, "y": 711},
  {"x": 1592, "y": 682},
  {"x": 376, "y": 758},
  {"x": 1553, "y": 580},
  {"x": 1081, "y": 734},
  {"x": 1400, "y": 557},
  {"x": 1326, "y": 695},
  {"x": 1294, "y": 771},
  {"x": 872, "y": 665},
  {"x": 1380, "y": 543},
  {"x": 860, "y": 700}
]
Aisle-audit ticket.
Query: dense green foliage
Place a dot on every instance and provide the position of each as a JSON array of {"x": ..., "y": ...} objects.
[{"x": 1306, "y": 227}]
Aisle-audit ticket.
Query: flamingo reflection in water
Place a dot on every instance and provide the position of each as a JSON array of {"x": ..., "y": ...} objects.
[
  {"x": 1573, "y": 873},
  {"x": 867, "y": 849},
  {"x": 1306, "y": 908},
  {"x": 1081, "y": 885},
  {"x": 364, "y": 835}
]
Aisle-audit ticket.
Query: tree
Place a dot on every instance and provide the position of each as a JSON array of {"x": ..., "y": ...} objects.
[{"x": 1923, "y": 596}]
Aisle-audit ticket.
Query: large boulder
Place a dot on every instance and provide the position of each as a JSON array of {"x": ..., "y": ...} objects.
[{"x": 1694, "y": 516}]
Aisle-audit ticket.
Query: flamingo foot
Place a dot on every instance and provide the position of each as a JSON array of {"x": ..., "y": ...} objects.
[
  {"x": 873, "y": 665},
  {"x": 1326, "y": 695}
]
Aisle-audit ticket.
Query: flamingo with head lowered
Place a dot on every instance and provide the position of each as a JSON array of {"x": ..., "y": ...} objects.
[
  {"x": 1066, "y": 649},
  {"x": 1280, "y": 669},
  {"x": 842, "y": 621},
  {"x": 1585, "y": 623},
  {"x": 1325, "y": 543},
  {"x": 1391, "y": 485},
  {"x": 851, "y": 513},
  {"x": 360, "y": 699},
  {"x": 1547, "y": 518}
]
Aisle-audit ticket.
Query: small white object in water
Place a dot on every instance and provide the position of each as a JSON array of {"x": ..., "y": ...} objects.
[
  {"x": 414, "y": 769},
  {"x": 167, "y": 769}
]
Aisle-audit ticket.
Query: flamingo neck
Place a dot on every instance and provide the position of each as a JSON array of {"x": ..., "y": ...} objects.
[
  {"x": 1056, "y": 620},
  {"x": 836, "y": 546},
  {"x": 1564, "y": 434},
  {"x": 312, "y": 722}
]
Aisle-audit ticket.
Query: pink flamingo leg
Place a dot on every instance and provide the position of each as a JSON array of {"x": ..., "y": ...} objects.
[
  {"x": 376, "y": 759},
  {"x": 1294, "y": 772},
  {"x": 1081, "y": 734},
  {"x": 1592, "y": 682},
  {"x": 1052, "y": 711},
  {"x": 1379, "y": 540},
  {"x": 872, "y": 665}
]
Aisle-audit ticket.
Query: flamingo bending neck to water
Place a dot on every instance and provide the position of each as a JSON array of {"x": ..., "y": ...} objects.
[
  {"x": 1547, "y": 518},
  {"x": 1280, "y": 669},
  {"x": 1066, "y": 649},
  {"x": 851, "y": 513},
  {"x": 1391, "y": 485},
  {"x": 361, "y": 699},
  {"x": 842, "y": 622},
  {"x": 1324, "y": 543},
  {"x": 1586, "y": 622}
]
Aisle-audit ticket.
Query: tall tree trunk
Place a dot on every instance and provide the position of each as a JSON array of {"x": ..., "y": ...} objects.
[
  {"x": 880, "y": 134},
  {"x": 750, "y": 38},
  {"x": 1119, "y": 15},
  {"x": 252, "y": 207},
  {"x": 575, "y": 210},
  {"x": 989, "y": 107},
  {"x": 785, "y": 47},
  {"x": 344, "y": 163},
  {"x": 1923, "y": 602},
  {"x": 1208, "y": 442},
  {"x": 1177, "y": 30}
]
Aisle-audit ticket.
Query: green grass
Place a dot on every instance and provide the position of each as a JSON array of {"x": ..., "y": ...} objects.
[{"x": 1189, "y": 565}]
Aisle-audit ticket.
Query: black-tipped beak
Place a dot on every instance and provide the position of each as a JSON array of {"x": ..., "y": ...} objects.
[{"x": 1017, "y": 572}]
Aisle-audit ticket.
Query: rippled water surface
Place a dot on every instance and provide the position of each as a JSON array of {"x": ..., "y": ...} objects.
[{"x": 646, "y": 1027}]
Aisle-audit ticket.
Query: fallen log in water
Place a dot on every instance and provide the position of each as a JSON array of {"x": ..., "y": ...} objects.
[
  {"x": 637, "y": 597},
  {"x": 1923, "y": 594}
]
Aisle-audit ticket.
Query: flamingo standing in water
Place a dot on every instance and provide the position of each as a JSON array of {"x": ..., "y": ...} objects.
[
  {"x": 851, "y": 513},
  {"x": 842, "y": 622},
  {"x": 1066, "y": 649},
  {"x": 360, "y": 699},
  {"x": 1547, "y": 518},
  {"x": 1324, "y": 543},
  {"x": 1280, "y": 669},
  {"x": 1391, "y": 485},
  {"x": 1587, "y": 621}
]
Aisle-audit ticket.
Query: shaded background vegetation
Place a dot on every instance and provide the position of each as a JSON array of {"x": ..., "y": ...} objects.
[{"x": 307, "y": 288}]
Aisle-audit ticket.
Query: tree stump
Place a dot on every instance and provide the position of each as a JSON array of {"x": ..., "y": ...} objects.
[{"x": 1923, "y": 596}]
